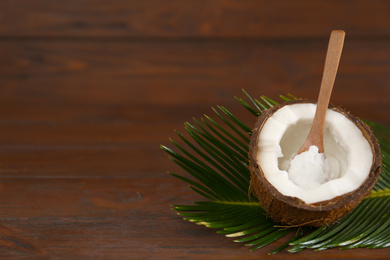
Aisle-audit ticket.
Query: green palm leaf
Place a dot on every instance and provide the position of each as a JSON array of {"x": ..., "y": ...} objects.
[{"x": 216, "y": 156}]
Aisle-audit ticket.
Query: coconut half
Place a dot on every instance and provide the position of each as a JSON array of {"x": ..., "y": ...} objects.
[{"x": 351, "y": 150}]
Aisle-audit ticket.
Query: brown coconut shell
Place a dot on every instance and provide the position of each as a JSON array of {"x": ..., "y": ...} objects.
[{"x": 292, "y": 211}]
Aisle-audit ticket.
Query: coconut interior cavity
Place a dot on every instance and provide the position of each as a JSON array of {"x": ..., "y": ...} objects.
[{"x": 347, "y": 151}]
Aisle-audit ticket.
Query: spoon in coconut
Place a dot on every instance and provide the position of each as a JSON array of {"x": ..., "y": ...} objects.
[{"x": 316, "y": 134}]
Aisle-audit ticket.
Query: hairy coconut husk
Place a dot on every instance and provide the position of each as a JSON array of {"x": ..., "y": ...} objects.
[{"x": 292, "y": 211}]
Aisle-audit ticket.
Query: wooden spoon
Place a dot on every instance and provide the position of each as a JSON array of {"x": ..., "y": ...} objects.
[{"x": 316, "y": 134}]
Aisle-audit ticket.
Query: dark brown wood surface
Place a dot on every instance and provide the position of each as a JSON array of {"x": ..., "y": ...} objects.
[
  {"x": 187, "y": 18},
  {"x": 90, "y": 89}
]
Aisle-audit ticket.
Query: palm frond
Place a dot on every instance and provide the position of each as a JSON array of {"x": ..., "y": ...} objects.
[{"x": 216, "y": 157}]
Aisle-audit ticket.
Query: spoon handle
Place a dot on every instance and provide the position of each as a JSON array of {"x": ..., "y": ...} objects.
[{"x": 316, "y": 134}]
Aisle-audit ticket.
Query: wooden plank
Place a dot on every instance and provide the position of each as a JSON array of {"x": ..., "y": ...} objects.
[
  {"x": 90, "y": 149},
  {"x": 41, "y": 80},
  {"x": 85, "y": 161},
  {"x": 122, "y": 218},
  {"x": 178, "y": 18}
]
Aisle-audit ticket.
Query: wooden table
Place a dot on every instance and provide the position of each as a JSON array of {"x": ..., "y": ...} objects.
[{"x": 89, "y": 90}]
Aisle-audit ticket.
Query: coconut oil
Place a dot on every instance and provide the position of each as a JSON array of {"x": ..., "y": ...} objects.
[{"x": 309, "y": 169}]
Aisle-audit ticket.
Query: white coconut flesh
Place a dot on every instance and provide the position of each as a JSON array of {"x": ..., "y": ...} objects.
[{"x": 348, "y": 154}]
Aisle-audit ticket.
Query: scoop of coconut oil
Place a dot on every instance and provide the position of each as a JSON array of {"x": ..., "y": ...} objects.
[{"x": 309, "y": 169}]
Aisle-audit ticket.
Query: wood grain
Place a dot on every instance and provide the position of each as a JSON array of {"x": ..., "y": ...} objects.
[
  {"x": 116, "y": 79},
  {"x": 118, "y": 218},
  {"x": 178, "y": 18}
]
